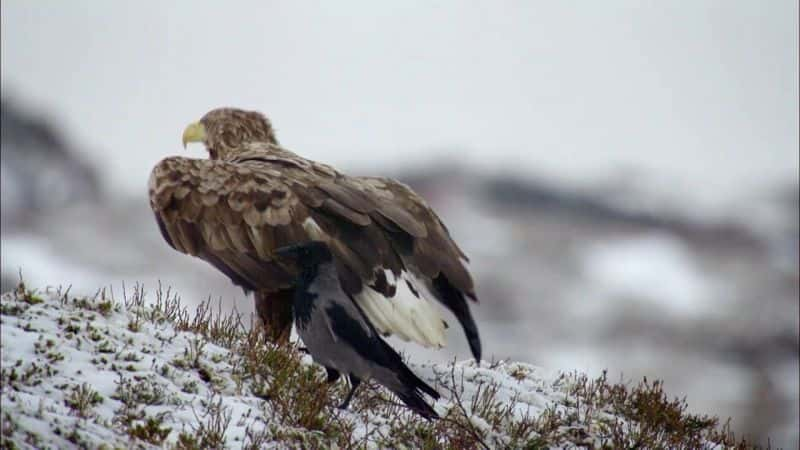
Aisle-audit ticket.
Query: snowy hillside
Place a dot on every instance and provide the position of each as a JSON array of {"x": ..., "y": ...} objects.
[{"x": 135, "y": 369}]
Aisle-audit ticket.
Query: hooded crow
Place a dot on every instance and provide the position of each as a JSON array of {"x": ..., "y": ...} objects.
[{"x": 339, "y": 336}]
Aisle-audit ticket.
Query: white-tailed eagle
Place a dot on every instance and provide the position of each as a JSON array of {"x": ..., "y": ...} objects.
[{"x": 393, "y": 254}]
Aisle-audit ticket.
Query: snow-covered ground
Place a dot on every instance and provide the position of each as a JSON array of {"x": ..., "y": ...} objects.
[{"x": 95, "y": 372}]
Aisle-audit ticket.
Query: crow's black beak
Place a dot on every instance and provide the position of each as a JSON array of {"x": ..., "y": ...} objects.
[
  {"x": 316, "y": 251},
  {"x": 289, "y": 250}
]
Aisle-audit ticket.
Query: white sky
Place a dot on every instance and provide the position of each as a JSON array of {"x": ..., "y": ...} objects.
[{"x": 702, "y": 94}]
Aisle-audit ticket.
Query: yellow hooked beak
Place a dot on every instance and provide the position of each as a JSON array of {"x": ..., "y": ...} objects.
[{"x": 195, "y": 132}]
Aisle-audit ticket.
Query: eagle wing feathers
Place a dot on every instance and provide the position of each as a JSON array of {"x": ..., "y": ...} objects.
[{"x": 234, "y": 213}]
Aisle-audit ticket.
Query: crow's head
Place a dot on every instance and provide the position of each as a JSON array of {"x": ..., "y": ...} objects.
[{"x": 307, "y": 253}]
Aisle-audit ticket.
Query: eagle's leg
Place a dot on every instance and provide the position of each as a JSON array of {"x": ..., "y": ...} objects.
[{"x": 274, "y": 311}]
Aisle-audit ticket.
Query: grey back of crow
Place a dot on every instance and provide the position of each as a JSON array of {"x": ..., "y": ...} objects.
[{"x": 338, "y": 335}]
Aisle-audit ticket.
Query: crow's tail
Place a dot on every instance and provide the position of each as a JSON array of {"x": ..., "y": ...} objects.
[
  {"x": 412, "y": 393},
  {"x": 414, "y": 401},
  {"x": 411, "y": 381}
]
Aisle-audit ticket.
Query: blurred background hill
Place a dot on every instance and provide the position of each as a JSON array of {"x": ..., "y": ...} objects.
[{"x": 624, "y": 178}]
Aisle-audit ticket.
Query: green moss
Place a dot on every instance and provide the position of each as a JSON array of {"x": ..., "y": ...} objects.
[
  {"x": 150, "y": 431},
  {"x": 105, "y": 307},
  {"x": 82, "y": 399},
  {"x": 190, "y": 387},
  {"x": 134, "y": 325}
]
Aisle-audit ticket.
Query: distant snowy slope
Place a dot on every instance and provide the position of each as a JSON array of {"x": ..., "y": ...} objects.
[{"x": 40, "y": 168}]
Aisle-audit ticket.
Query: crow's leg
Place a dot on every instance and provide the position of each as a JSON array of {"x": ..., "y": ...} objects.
[
  {"x": 354, "y": 381},
  {"x": 333, "y": 375}
]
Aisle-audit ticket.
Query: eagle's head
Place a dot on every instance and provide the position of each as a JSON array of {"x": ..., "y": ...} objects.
[{"x": 224, "y": 130}]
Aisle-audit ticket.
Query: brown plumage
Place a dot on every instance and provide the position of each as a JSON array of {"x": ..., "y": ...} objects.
[{"x": 253, "y": 196}]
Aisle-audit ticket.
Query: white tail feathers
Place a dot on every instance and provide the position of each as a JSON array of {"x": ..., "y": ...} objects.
[{"x": 409, "y": 315}]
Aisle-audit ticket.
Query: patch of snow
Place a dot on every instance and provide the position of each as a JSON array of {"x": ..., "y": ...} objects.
[{"x": 656, "y": 270}]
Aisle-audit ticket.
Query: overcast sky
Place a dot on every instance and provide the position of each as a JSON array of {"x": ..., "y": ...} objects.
[{"x": 702, "y": 94}]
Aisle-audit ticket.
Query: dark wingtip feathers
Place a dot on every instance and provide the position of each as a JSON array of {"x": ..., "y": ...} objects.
[
  {"x": 455, "y": 301},
  {"x": 473, "y": 338},
  {"x": 475, "y": 346}
]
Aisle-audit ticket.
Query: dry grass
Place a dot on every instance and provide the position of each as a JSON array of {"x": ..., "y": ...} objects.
[{"x": 301, "y": 406}]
